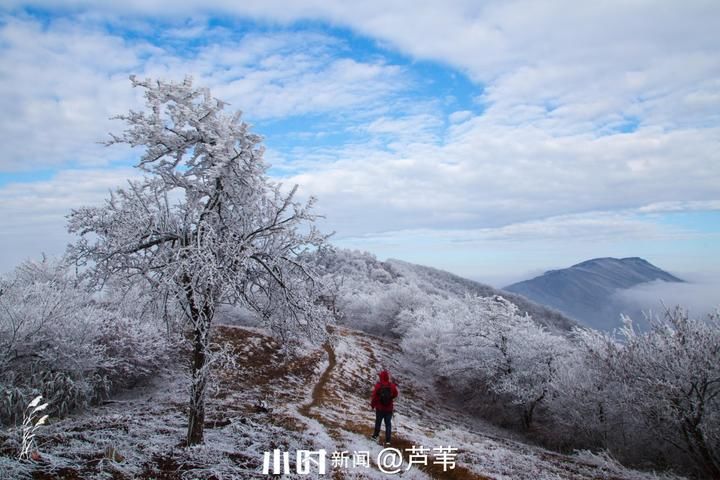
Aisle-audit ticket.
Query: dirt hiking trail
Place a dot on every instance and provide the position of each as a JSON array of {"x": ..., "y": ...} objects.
[{"x": 321, "y": 399}]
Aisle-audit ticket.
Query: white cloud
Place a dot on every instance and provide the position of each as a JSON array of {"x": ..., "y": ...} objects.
[
  {"x": 559, "y": 82},
  {"x": 67, "y": 189},
  {"x": 591, "y": 61},
  {"x": 293, "y": 84},
  {"x": 460, "y": 116},
  {"x": 489, "y": 175},
  {"x": 59, "y": 88},
  {"x": 508, "y": 253},
  {"x": 61, "y": 83},
  {"x": 681, "y": 206},
  {"x": 700, "y": 298},
  {"x": 34, "y": 214},
  {"x": 587, "y": 226},
  {"x": 421, "y": 128}
]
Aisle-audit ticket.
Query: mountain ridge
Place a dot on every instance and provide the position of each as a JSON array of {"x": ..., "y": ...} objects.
[
  {"x": 585, "y": 291},
  {"x": 544, "y": 314}
]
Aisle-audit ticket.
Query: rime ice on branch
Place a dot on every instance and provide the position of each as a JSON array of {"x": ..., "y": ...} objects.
[{"x": 205, "y": 226}]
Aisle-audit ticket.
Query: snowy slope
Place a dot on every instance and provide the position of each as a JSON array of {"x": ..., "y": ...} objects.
[
  {"x": 316, "y": 401},
  {"x": 444, "y": 283}
]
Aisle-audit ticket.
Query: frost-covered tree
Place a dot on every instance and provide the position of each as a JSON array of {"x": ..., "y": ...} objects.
[
  {"x": 588, "y": 404},
  {"x": 672, "y": 373},
  {"x": 367, "y": 294},
  {"x": 517, "y": 356},
  {"x": 205, "y": 226},
  {"x": 653, "y": 393},
  {"x": 485, "y": 341}
]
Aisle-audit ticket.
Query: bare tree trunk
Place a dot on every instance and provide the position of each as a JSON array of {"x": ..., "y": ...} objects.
[
  {"x": 529, "y": 410},
  {"x": 702, "y": 453},
  {"x": 196, "y": 420},
  {"x": 200, "y": 372}
]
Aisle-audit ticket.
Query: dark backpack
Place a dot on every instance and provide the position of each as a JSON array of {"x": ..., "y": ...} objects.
[{"x": 385, "y": 395}]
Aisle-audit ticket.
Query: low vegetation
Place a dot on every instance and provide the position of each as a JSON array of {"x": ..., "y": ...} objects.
[{"x": 61, "y": 340}]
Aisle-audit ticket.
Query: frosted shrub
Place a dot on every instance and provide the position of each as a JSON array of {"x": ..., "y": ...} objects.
[{"x": 59, "y": 339}]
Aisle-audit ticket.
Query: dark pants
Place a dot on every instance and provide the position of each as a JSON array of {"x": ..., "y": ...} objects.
[{"x": 379, "y": 417}]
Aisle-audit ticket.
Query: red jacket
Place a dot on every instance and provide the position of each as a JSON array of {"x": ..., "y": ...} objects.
[{"x": 375, "y": 399}]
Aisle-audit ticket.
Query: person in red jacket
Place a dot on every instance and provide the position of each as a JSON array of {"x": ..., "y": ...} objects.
[{"x": 382, "y": 398}]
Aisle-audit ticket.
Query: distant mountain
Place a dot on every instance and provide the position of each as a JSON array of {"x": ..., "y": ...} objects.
[{"x": 586, "y": 291}]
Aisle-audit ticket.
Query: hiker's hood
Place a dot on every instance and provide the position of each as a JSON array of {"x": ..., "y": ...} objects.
[{"x": 384, "y": 376}]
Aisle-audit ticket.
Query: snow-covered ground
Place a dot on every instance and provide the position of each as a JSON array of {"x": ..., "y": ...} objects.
[{"x": 316, "y": 401}]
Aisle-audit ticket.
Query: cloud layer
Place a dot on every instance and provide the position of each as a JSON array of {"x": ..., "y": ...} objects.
[
  {"x": 574, "y": 115},
  {"x": 700, "y": 298}
]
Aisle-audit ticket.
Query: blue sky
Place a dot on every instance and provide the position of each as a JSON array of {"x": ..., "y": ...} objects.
[{"x": 492, "y": 139}]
